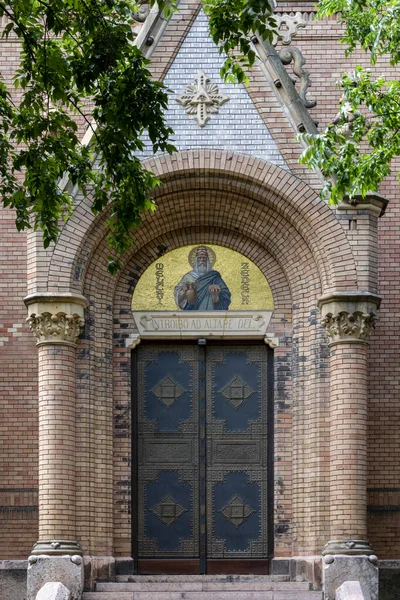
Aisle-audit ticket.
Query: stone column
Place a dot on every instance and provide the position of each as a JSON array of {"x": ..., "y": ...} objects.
[
  {"x": 56, "y": 322},
  {"x": 348, "y": 319}
]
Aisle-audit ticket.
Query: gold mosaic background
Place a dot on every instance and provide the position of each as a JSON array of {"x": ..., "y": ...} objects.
[{"x": 175, "y": 264}]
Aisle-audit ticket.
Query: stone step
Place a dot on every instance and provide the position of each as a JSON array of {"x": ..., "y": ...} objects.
[
  {"x": 230, "y": 595},
  {"x": 203, "y": 586},
  {"x": 193, "y": 578}
]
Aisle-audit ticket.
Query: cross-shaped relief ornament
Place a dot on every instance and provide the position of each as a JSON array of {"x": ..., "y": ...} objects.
[{"x": 202, "y": 98}]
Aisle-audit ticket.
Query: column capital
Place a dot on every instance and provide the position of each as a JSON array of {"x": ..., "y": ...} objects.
[
  {"x": 349, "y": 316},
  {"x": 56, "y": 318}
]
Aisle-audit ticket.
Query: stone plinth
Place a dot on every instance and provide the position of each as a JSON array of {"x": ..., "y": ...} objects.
[
  {"x": 67, "y": 570},
  {"x": 342, "y": 568}
]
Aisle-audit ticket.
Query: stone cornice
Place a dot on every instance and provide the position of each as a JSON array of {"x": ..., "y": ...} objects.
[
  {"x": 56, "y": 318},
  {"x": 352, "y": 298},
  {"x": 52, "y": 297},
  {"x": 373, "y": 202},
  {"x": 349, "y": 316}
]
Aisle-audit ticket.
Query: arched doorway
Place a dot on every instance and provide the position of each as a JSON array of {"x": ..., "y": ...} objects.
[
  {"x": 275, "y": 220},
  {"x": 202, "y": 415}
]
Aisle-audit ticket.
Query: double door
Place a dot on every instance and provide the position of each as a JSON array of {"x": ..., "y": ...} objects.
[{"x": 202, "y": 470}]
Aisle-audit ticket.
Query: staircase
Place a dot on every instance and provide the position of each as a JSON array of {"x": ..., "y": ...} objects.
[{"x": 203, "y": 587}]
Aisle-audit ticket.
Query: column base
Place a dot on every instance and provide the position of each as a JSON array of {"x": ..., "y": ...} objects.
[
  {"x": 66, "y": 569},
  {"x": 57, "y": 548},
  {"x": 341, "y": 568},
  {"x": 349, "y": 547},
  {"x": 97, "y": 569},
  {"x": 300, "y": 568}
]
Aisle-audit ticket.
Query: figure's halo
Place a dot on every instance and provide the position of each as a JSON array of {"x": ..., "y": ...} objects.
[{"x": 211, "y": 255}]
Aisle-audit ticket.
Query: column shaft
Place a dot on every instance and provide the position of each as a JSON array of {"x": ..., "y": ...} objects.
[
  {"x": 56, "y": 442},
  {"x": 348, "y": 428}
]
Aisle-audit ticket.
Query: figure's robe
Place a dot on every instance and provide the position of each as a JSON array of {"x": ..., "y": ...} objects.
[{"x": 204, "y": 300}]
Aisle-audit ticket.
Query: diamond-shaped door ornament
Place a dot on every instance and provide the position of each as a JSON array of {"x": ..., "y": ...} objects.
[
  {"x": 168, "y": 510},
  {"x": 237, "y": 511},
  {"x": 202, "y": 98},
  {"x": 168, "y": 391},
  {"x": 236, "y": 391}
]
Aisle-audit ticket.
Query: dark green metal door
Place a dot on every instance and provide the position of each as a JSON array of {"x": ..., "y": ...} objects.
[{"x": 202, "y": 459}]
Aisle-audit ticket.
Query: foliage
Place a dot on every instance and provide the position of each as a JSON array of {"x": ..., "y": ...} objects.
[
  {"x": 232, "y": 24},
  {"x": 76, "y": 52},
  {"x": 78, "y": 59},
  {"x": 355, "y": 151}
]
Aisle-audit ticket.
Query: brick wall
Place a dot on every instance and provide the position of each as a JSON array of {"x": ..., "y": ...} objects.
[
  {"x": 275, "y": 220},
  {"x": 18, "y": 401}
]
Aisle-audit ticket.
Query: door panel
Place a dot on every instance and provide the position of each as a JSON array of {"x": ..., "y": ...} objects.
[
  {"x": 168, "y": 452},
  {"x": 201, "y": 459},
  {"x": 237, "y": 453}
]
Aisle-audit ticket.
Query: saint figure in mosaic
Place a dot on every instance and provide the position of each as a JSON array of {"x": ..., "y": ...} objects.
[{"x": 202, "y": 288}]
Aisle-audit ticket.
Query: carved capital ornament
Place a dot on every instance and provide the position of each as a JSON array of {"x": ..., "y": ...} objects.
[
  {"x": 56, "y": 319},
  {"x": 60, "y": 327},
  {"x": 343, "y": 326},
  {"x": 349, "y": 316}
]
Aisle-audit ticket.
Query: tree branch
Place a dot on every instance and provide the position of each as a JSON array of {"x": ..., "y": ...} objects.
[
  {"x": 23, "y": 30},
  {"x": 62, "y": 25}
]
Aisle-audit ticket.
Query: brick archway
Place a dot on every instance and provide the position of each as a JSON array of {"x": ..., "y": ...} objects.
[
  {"x": 294, "y": 238},
  {"x": 280, "y": 224},
  {"x": 211, "y": 177}
]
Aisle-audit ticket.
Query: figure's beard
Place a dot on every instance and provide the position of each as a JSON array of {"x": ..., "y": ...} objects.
[{"x": 202, "y": 268}]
